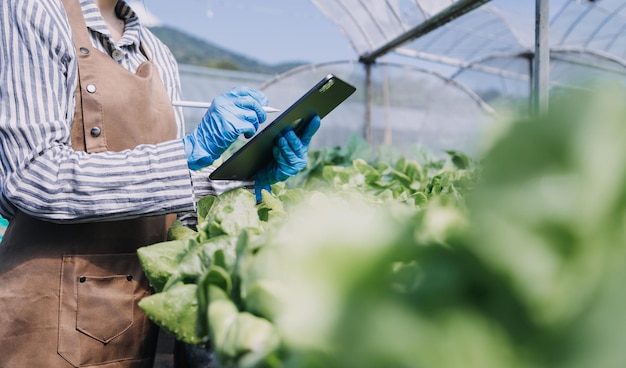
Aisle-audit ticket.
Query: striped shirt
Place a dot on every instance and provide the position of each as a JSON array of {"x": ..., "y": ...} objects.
[{"x": 40, "y": 172}]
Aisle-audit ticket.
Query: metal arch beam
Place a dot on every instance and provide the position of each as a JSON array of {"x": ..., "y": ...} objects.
[
  {"x": 604, "y": 23},
  {"x": 450, "y": 13},
  {"x": 557, "y": 51},
  {"x": 464, "y": 65}
]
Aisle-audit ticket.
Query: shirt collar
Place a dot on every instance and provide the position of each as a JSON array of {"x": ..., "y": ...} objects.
[{"x": 95, "y": 22}]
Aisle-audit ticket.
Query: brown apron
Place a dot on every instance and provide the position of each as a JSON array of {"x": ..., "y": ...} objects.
[{"x": 69, "y": 292}]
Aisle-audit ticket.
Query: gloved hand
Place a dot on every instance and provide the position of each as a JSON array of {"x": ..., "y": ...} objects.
[
  {"x": 240, "y": 111},
  {"x": 290, "y": 156}
]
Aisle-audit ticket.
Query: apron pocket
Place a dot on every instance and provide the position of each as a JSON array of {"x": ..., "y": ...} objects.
[
  {"x": 105, "y": 306},
  {"x": 99, "y": 320}
]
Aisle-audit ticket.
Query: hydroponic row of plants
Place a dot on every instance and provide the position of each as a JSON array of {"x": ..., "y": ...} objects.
[{"x": 390, "y": 260}]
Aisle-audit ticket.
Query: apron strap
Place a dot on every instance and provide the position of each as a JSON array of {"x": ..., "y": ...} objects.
[{"x": 89, "y": 111}]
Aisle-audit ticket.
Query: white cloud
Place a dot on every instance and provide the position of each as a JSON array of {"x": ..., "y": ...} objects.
[{"x": 145, "y": 16}]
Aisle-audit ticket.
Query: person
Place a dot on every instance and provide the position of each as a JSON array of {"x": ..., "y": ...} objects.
[{"x": 95, "y": 163}]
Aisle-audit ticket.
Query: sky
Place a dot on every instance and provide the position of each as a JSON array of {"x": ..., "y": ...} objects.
[{"x": 271, "y": 31}]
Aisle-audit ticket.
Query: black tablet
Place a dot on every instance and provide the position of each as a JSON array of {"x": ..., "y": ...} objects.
[{"x": 324, "y": 97}]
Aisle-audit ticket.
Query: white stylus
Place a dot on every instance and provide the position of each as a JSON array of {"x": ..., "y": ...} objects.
[{"x": 206, "y": 105}]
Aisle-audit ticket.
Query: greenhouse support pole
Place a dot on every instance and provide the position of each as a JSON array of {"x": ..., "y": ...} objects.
[
  {"x": 368, "y": 103},
  {"x": 541, "y": 69}
]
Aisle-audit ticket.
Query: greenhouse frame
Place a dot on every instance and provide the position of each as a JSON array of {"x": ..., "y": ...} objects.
[{"x": 415, "y": 59}]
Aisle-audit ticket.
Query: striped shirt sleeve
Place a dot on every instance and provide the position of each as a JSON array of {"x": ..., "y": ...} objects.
[{"x": 40, "y": 173}]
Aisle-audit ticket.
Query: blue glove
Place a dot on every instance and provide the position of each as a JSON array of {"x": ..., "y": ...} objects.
[
  {"x": 290, "y": 156},
  {"x": 231, "y": 114}
]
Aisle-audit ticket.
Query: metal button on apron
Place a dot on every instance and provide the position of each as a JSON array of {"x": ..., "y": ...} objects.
[
  {"x": 95, "y": 132},
  {"x": 91, "y": 88},
  {"x": 117, "y": 55}
]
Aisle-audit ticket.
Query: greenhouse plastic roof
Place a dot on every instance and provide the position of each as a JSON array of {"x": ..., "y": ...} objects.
[
  {"x": 495, "y": 27},
  {"x": 443, "y": 69}
]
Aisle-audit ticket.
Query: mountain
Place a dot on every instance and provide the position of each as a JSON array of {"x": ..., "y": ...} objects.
[{"x": 188, "y": 49}]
